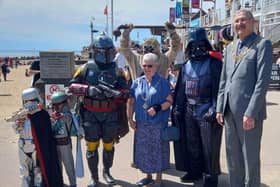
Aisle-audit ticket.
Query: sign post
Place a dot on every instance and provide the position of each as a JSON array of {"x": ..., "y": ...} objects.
[{"x": 49, "y": 90}]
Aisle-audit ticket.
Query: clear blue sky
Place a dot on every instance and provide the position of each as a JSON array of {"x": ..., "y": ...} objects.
[{"x": 64, "y": 24}]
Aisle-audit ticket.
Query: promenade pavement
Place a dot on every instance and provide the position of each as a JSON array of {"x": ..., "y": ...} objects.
[{"x": 125, "y": 175}]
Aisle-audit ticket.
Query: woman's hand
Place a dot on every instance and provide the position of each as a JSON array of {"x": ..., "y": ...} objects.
[
  {"x": 151, "y": 111},
  {"x": 132, "y": 123}
]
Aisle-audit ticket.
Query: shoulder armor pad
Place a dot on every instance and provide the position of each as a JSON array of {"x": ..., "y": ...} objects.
[{"x": 77, "y": 72}]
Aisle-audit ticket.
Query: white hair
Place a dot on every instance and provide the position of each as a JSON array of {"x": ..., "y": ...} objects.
[{"x": 150, "y": 57}]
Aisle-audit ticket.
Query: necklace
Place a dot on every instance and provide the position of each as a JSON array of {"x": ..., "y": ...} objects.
[
  {"x": 238, "y": 58},
  {"x": 148, "y": 96}
]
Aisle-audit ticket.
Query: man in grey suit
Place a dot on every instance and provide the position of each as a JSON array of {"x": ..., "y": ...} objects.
[{"x": 241, "y": 104}]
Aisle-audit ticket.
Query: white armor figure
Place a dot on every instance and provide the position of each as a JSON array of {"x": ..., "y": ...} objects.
[{"x": 29, "y": 169}]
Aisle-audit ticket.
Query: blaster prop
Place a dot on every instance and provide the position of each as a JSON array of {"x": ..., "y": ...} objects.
[
  {"x": 108, "y": 89},
  {"x": 21, "y": 113}
]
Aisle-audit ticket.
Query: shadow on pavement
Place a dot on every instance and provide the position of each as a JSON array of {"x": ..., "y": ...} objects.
[
  {"x": 172, "y": 171},
  {"x": 224, "y": 181},
  {"x": 5, "y": 94},
  {"x": 270, "y": 103},
  {"x": 168, "y": 183},
  {"x": 120, "y": 183},
  {"x": 274, "y": 88},
  {"x": 8, "y": 80}
]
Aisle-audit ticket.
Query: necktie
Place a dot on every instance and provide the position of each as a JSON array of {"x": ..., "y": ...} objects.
[{"x": 239, "y": 48}]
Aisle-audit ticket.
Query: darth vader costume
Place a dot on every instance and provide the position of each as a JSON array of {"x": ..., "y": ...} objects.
[{"x": 197, "y": 151}]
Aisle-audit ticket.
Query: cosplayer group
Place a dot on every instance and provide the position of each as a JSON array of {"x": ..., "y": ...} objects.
[{"x": 109, "y": 98}]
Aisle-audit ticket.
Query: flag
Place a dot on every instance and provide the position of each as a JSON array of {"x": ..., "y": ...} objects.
[
  {"x": 171, "y": 15},
  {"x": 195, "y": 4},
  {"x": 185, "y": 10},
  {"x": 178, "y": 9},
  {"x": 106, "y": 10}
]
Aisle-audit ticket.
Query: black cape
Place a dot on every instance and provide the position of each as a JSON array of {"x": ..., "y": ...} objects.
[
  {"x": 178, "y": 114},
  {"x": 46, "y": 149}
]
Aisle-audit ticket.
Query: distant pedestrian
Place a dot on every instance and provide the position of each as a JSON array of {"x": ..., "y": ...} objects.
[
  {"x": 34, "y": 70},
  {"x": 241, "y": 104},
  {"x": 17, "y": 63},
  {"x": 5, "y": 69}
]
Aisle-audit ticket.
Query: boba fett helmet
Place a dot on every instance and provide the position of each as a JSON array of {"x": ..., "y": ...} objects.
[
  {"x": 58, "y": 97},
  {"x": 103, "y": 49}
]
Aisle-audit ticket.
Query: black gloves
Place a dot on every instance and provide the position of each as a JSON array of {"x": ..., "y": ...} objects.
[
  {"x": 210, "y": 115},
  {"x": 157, "y": 107}
]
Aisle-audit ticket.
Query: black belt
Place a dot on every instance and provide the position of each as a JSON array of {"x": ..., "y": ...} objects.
[
  {"x": 100, "y": 103},
  {"x": 63, "y": 141}
]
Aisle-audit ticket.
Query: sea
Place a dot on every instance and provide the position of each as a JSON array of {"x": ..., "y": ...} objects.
[{"x": 24, "y": 53}]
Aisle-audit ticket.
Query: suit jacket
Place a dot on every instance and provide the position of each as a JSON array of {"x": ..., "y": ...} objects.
[{"x": 244, "y": 83}]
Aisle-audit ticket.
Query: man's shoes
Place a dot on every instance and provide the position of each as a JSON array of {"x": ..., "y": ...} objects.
[
  {"x": 93, "y": 183},
  {"x": 144, "y": 181},
  {"x": 210, "y": 180},
  {"x": 189, "y": 178}
]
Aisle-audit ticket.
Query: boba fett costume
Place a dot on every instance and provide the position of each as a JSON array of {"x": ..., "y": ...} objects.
[
  {"x": 63, "y": 127},
  {"x": 102, "y": 90}
]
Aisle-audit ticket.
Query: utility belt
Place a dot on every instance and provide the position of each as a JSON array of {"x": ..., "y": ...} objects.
[
  {"x": 63, "y": 141},
  {"x": 27, "y": 145},
  {"x": 198, "y": 101},
  {"x": 99, "y": 105}
]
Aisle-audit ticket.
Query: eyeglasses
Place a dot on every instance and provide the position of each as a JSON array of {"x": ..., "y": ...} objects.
[{"x": 148, "y": 66}]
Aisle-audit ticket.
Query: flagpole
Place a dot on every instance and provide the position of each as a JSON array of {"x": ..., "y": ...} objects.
[
  {"x": 112, "y": 18},
  {"x": 107, "y": 22},
  {"x": 200, "y": 13}
]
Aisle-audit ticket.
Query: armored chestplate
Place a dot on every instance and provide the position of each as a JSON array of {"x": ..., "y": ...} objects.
[
  {"x": 95, "y": 75},
  {"x": 197, "y": 78}
]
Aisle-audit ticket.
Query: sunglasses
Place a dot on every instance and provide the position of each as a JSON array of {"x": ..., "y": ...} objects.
[{"x": 148, "y": 66}]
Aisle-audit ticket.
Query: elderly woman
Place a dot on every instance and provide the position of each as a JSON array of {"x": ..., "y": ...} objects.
[{"x": 150, "y": 99}]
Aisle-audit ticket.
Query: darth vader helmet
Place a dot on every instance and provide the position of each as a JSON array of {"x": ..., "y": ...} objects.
[{"x": 198, "y": 44}]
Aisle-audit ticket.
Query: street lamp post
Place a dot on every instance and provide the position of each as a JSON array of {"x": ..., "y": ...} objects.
[
  {"x": 92, "y": 31},
  {"x": 112, "y": 18}
]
